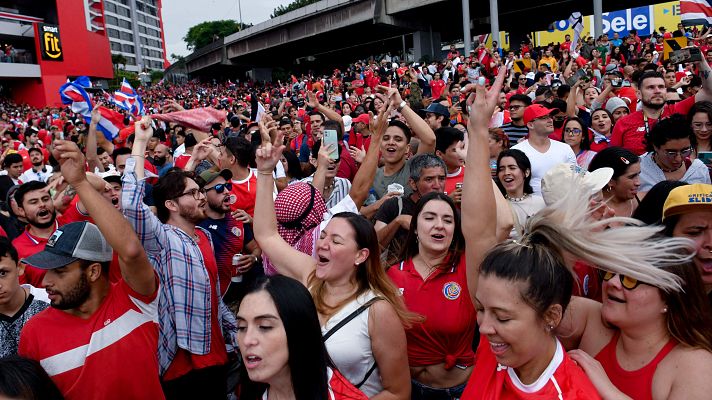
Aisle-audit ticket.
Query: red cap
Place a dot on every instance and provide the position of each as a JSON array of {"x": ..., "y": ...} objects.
[
  {"x": 535, "y": 111},
  {"x": 363, "y": 118}
]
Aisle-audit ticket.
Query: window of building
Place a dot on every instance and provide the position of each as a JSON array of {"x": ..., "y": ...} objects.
[
  {"x": 127, "y": 48},
  {"x": 125, "y": 24},
  {"x": 113, "y": 33},
  {"x": 112, "y": 20},
  {"x": 110, "y": 7},
  {"x": 115, "y": 46},
  {"x": 126, "y": 36},
  {"x": 123, "y": 11}
]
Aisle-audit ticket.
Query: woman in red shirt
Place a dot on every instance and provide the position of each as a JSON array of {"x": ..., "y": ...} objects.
[{"x": 433, "y": 283}]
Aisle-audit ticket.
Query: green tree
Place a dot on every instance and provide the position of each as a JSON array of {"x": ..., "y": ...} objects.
[
  {"x": 207, "y": 32},
  {"x": 118, "y": 59},
  {"x": 281, "y": 10}
]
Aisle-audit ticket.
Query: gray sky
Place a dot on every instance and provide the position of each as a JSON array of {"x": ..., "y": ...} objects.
[{"x": 180, "y": 15}]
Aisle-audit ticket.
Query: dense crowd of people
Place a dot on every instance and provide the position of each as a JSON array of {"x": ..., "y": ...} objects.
[{"x": 492, "y": 225}]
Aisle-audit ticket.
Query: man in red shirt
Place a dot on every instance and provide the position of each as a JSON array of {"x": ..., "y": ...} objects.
[
  {"x": 98, "y": 340},
  {"x": 36, "y": 206},
  {"x": 630, "y": 131}
]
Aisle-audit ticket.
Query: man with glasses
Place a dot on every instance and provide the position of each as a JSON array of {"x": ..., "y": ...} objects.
[
  {"x": 192, "y": 351},
  {"x": 517, "y": 129},
  {"x": 543, "y": 152},
  {"x": 230, "y": 236}
]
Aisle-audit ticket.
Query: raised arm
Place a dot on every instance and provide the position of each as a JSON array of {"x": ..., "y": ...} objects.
[
  {"x": 328, "y": 112},
  {"x": 287, "y": 260},
  {"x": 479, "y": 210},
  {"x": 364, "y": 177},
  {"x": 135, "y": 268},
  {"x": 92, "y": 157},
  {"x": 706, "y": 74},
  {"x": 571, "y": 106},
  {"x": 420, "y": 128}
]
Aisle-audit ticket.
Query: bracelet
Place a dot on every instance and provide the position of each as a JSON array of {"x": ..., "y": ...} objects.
[
  {"x": 138, "y": 155},
  {"x": 264, "y": 173}
]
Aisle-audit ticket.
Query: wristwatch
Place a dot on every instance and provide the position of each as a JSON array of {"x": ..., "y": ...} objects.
[{"x": 401, "y": 105}]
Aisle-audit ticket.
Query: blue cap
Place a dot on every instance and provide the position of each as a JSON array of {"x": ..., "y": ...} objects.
[
  {"x": 437, "y": 108},
  {"x": 69, "y": 243}
]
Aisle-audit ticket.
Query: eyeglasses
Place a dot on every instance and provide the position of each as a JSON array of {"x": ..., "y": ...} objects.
[
  {"x": 700, "y": 125},
  {"x": 221, "y": 187},
  {"x": 572, "y": 132},
  {"x": 684, "y": 153},
  {"x": 196, "y": 193},
  {"x": 515, "y": 107},
  {"x": 626, "y": 281}
]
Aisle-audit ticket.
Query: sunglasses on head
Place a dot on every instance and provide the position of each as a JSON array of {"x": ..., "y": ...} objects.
[
  {"x": 626, "y": 281},
  {"x": 220, "y": 187}
]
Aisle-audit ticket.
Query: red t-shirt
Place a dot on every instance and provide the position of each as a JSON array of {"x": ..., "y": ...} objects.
[
  {"x": 181, "y": 161},
  {"x": 562, "y": 379},
  {"x": 28, "y": 244},
  {"x": 243, "y": 193},
  {"x": 629, "y": 131},
  {"x": 73, "y": 214},
  {"x": 452, "y": 180},
  {"x": 447, "y": 333},
  {"x": 436, "y": 88},
  {"x": 339, "y": 388},
  {"x": 110, "y": 355},
  {"x": 184, "y": 361}
]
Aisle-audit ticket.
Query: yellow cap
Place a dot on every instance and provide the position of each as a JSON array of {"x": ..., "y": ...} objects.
[{"x": 688, "y": 198}]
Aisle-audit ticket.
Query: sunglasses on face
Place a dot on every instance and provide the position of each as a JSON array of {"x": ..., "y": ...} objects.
[
  {"x": 626, "y": 281},
  {"x": 221, "y": 187}
]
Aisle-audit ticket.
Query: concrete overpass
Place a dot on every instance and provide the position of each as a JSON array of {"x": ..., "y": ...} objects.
[{"x": 331, "y": 32}]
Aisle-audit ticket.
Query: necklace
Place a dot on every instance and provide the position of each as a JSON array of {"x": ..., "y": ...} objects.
[
  {"x": 517, "y": 199},
  {"x": 655, "y": 159}
]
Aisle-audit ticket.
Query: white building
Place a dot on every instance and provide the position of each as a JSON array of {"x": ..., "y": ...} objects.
[{"x": 134, "y": 28}]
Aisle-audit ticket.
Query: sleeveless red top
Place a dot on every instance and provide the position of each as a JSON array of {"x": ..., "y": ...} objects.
[{"x": 636, "y": 384}]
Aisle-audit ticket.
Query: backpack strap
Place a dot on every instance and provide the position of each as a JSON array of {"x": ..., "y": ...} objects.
[{"x": 351, "y": 316}]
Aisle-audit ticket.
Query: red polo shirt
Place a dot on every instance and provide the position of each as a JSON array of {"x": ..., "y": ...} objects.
[
  {"x": 629, "y": 131},
  {"x": 28, "y": 244}
]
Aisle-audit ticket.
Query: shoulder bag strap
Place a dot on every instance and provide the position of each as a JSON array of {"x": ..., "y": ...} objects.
[{"x": 351, "y": 316}]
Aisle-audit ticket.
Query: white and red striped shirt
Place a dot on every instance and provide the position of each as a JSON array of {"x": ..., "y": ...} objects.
[{"x": 110, "y": 355}]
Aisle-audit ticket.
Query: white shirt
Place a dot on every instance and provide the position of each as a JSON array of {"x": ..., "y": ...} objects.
[
  {"x": 41, "y": 175},
  {"x": 557, "y": 153}
]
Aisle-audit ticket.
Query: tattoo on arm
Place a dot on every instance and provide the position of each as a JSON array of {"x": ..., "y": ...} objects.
[{"x": 705, "y": 74}]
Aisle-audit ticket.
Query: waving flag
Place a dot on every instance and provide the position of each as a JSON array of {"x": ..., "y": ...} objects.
[
  {"x": 576, "y": 22},
  {"x": 127, "y": 99},
  {"x": 75, "y": 94},
  {"x": 696, "y": 12},
  {"x": 80, "y": 101}
]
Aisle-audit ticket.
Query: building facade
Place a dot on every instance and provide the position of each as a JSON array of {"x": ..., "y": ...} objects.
[
  {"x": 135, "y": 30},
  {"x": 43, "y": 43}
]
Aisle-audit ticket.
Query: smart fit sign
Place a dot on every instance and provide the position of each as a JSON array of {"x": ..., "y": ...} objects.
[{"x": 50, "y": 44}]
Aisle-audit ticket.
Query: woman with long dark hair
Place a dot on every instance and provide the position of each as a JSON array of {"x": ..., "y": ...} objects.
[
  {"x": 283, "y": 354},
  {"x": 621, "y": 193},
  {"x": 575, "y": 134},
  {"x": 347, "y": 283},
  {"x": 514, "y": 174}
]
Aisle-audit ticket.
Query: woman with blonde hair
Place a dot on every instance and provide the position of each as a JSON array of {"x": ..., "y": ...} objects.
[
  {"x": 347, "y": 282},
  {"x": 522, "y": 289}
]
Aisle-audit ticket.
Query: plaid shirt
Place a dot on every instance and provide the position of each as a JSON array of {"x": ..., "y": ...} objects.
[{"x": 184, "y": 305}]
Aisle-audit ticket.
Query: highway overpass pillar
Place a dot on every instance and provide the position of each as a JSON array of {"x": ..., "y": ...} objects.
[
  {"x": 426, "y": 44},
  {"x": 597, "y": 18},
  {"x": 466, "y": 26},
  {"x": 494, "y": 22}
]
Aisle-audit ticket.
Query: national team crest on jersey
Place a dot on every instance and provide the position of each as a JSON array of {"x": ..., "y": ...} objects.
[
  {"x": 236, "y": 231},
  {"x": 233, "y": 199},
  {"x": 451, "y": 290}
]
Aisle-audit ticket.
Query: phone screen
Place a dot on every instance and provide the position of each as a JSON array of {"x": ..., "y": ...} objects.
[{"x": 330, "y": 138}]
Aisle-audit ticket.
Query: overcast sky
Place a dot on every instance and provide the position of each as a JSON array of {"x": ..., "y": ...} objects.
[{"x": 180, "y": 15}]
